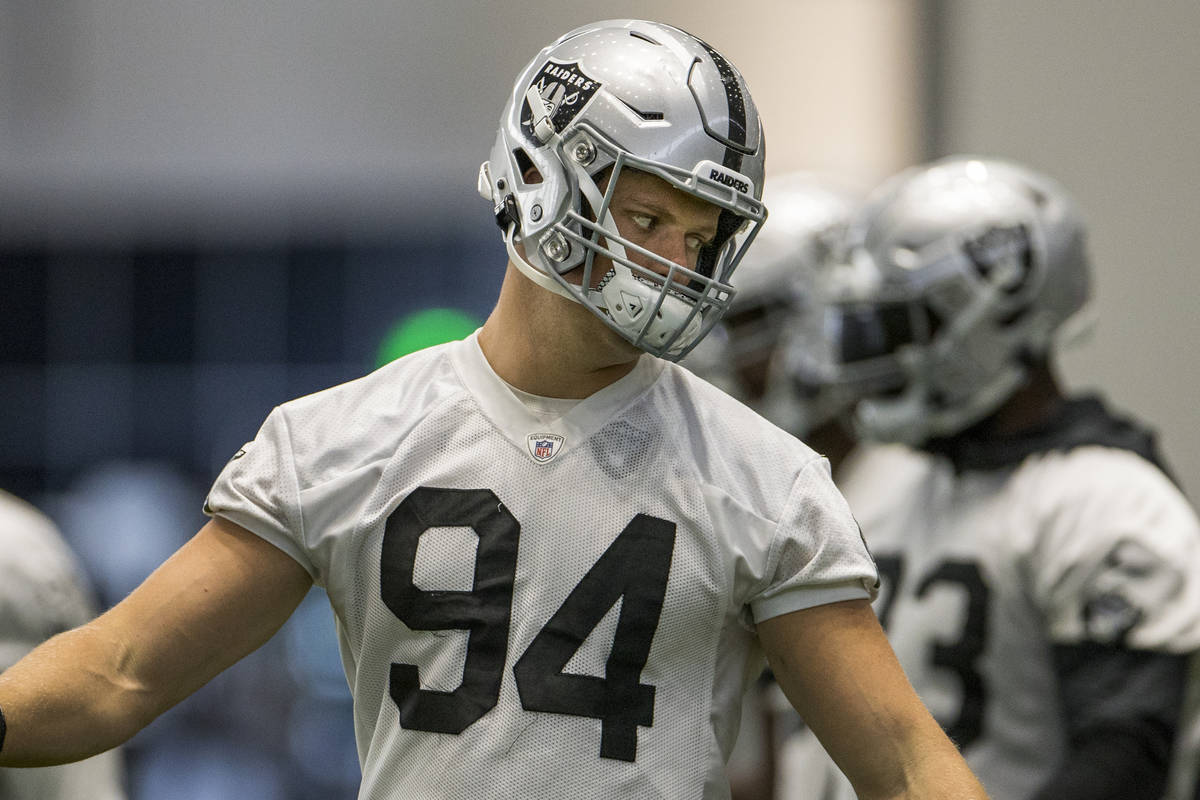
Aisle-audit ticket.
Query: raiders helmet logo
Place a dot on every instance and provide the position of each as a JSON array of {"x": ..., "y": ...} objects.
[
  {"x": 565, "y": 89},
  {"x": 1002, "y": 255}
]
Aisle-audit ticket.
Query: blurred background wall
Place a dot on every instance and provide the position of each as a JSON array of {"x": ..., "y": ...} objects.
[{"x": 209, "y": 208}]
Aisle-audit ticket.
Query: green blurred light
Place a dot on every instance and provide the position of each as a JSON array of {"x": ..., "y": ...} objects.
[{"x": 422, "y": 329}]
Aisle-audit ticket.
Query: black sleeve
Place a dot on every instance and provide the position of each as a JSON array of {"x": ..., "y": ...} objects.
[{"x": 1122, "y": 709}]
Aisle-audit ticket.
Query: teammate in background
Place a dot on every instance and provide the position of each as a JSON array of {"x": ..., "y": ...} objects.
[
  {"x": 42, "y": 592},
  {"x": 1038, "y": 561},
  {"x": 555, "y": 559},
  {"x": 761, "y": 353}
]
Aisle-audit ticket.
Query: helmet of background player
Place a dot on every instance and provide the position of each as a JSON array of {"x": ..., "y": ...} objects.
[
  {"x": 616, "y": 95},
  {"x": 958, "y": 277},
  {"x": 773, "y": 325}
]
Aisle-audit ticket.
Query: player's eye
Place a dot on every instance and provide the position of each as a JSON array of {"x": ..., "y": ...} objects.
[
  {"x": 643, "y": 221},
  {"x": 694, "y": 243}
]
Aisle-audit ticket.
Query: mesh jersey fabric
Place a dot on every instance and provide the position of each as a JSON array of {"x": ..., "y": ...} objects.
[
  {"x": 984, "y": 572},
  {"x": 43, "y": 592},
  {"x": 345, "y": 479}
]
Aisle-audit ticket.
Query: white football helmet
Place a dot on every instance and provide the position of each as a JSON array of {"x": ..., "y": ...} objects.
[
  {"x": 639, "y": 95},
  {"x": 957, "y": 277},
  {"x": 772, "y": 333}
]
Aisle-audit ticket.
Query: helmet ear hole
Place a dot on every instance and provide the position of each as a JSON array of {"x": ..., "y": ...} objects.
[{"x": 529, "y": 173}]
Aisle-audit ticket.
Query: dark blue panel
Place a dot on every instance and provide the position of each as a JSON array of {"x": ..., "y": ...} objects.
[
  {"x": 22, "y": 415},
  {"x": 23, "y": 307},
  {"x": 164, "y": 413},
  {"x": 241, "y": 307},
  {"x": 89, "y": 414},
  {"x": 27, "y": 483},
  {"x": 164, "y": 294},
  {"x": 316, "y": 305},
  {"x": 90, "y": 309}
]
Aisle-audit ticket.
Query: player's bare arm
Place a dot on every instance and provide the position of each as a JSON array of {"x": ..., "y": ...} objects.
[
  {"x": 836, "y": 667},
  {"x": 221, "y": 596}
]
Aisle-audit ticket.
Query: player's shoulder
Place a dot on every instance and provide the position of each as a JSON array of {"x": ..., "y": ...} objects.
[
  {"x": 363, "y": 419},
  {"x": 1090, "y": 448},
  {"x": 729, "y": 444},
  {"x": 392, "y": 396},
  {"x": 702, "y": 408},
  {"x": 1098, "y": 473},
  {"x": 1104, "y": 495},
  {"x": 396, "y": 383},
  {"x": 1112, "y": 536}
]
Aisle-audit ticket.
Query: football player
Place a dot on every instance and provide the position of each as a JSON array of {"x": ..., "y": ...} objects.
[
  {"x": 1037, "y": 559},
  {"x": 554, "y": 556},
  {"x": 764, "y": 352},
  {"x": 43, "y": 592}
]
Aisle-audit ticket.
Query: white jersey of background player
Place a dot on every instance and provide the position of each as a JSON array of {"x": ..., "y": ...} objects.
[
  {"x": 541, "y": 597},
  {"x": 1038, "y": 564},
  {"x": 42, "y": 592}
]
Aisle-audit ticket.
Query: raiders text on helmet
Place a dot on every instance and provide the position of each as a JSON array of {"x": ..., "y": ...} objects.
[{"x": 615, "y": 95}]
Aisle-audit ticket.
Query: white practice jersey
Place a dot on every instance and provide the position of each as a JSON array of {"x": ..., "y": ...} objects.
[
  {"x": 42, "y": 593},
  {"x": 544, "y": 606},
  {"x": 984, "y": 572}
]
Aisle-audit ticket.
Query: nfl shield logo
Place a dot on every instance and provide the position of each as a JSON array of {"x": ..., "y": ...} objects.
[{"x": 544, "y": 446}]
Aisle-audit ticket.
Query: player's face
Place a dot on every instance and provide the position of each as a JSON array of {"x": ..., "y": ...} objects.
[{"x": 652, "y": 214}]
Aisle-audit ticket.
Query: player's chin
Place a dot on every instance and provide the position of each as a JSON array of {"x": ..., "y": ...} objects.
[{"x": 619, "y": 349}]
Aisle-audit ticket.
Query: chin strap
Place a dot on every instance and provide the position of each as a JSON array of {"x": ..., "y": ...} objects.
[
  {"x": 542, "y": 279},
  {"x": 592, "y": 194}
]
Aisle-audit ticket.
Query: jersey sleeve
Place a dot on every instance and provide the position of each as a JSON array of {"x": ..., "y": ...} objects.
[
  {"x": 258, "y": 490},
  {"x": 817, "y": 553},
  {"x": 1116, "y": 562}
]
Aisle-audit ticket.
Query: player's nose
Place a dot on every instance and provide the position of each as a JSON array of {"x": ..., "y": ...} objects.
[{"x": 671, "y": 247}]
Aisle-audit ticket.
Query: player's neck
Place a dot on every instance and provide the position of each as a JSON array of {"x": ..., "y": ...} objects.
[
  {"x": 549, "y": 346},
  {"x": 1031, "y": 405}
]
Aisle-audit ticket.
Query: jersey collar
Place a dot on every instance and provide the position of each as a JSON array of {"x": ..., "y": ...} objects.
[
  {"x": 1084, "y": 420},
  {"x": 521, "y": 426}
]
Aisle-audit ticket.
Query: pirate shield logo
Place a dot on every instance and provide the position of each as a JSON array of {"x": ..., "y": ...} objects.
[{"x": 565, "y": 89}]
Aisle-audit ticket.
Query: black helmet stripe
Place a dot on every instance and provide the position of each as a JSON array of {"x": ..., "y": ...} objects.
[{"x": 737, "y": 107}]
